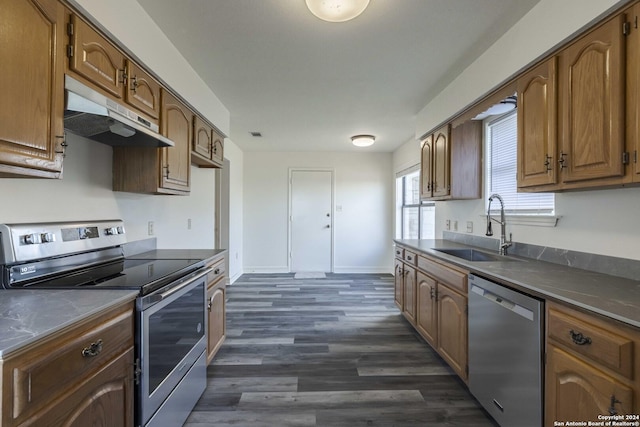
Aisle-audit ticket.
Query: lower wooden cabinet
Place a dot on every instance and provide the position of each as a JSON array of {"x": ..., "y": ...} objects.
[
  {"x": 592, "y": 367},
  {"x": 432, "y": 297},
  {"x": 80, "y": 377},
  {"x": 216, "y": 316}
]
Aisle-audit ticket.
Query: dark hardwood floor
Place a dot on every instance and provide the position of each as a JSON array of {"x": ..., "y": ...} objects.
[{"x": 327, "y": 352}]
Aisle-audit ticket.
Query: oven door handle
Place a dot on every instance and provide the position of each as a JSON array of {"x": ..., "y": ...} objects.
[{"x": 187, "y": 282}]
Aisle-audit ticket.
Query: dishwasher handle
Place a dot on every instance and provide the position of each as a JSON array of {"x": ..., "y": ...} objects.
[{"x": 509, "y": 305}]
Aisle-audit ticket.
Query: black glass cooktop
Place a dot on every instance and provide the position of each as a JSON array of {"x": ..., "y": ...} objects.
[{"x": 135, "y": 274}]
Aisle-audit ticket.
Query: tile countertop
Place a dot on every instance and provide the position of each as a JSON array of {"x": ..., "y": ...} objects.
[
  {"x": 610, "y": 296},
  {"x": 27, "y": 315}
]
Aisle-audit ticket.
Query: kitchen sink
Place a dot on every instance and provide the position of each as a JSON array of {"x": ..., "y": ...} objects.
[{"x": 475, "y": 255}]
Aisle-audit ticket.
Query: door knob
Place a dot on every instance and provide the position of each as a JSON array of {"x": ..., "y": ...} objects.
[{"x": 328, "y": 226}]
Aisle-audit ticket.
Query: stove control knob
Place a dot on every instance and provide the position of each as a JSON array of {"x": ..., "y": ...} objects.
[
  {"x": 48, "y": 237},
  {"x": 32, "y": 239},
  {"x": 121, "y": 229},
  {"x": 111, "y": 231}
]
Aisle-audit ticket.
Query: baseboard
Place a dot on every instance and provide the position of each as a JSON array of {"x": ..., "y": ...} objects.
[
  {"x": 234, "y": 278},
  {"x": 266, "y": 269},
  {"x": 362, "y": 270}
]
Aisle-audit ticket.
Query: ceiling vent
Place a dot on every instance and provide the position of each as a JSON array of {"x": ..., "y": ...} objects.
[{"x": 256, "y": 134}]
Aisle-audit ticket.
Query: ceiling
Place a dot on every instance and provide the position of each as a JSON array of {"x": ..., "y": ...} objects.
[{"x": 309, "y": 85}]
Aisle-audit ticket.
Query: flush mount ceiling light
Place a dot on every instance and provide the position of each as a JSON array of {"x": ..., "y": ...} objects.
[
  {"x": 363, "y": 140},
  {"x": 337, "y": 10}
]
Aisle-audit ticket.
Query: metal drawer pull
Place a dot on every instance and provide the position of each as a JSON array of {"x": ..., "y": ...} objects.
[
  {"x": 578, "y": 338},
  {"x": 93, "y": 350},
  {"x": 216, "y": 271}
]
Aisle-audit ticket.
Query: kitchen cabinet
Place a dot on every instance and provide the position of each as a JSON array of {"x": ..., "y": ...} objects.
[
  {"x": 32, "y": 86},
  {"x": 81, "y": 376},
  {"x": 158, "y": 170},
  {"x": 537, "y": 126},
  {"x": 208, "y": 145},
  {"x": 633, "y": 92},
  {"x": 405, "y": 285},
  {"x": 98, "y": 63},
  {"x": 442, "y": 311},
  {"x": 592, "y": 366},
  {"x": 589, "y": 115},
  {"x": 433, "y": 298},
  {"x": 450, "y": 164},
  {"x": 216, "y": 316}
]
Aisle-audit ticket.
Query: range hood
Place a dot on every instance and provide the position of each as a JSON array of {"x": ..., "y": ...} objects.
[{"x": 94, "y": 116}]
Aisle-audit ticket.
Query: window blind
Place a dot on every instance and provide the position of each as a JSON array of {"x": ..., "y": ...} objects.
[{"x": 502, "y": 171}]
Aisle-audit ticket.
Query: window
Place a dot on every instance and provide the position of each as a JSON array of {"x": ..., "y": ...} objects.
[
  {"x": 414, "y": 220},
  {"x": 501, "y": 139}
]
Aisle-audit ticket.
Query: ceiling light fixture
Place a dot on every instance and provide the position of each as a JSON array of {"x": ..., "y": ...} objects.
[
  {"x": 337, "y": 10},
  {"x": 363, "y": 140}
]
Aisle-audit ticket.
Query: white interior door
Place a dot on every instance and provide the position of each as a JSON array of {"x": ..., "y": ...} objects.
[{"x": 311, "y": 220}]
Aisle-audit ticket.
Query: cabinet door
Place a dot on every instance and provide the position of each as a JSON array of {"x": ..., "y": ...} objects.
[
  {"x": 452, "y": 329},
  {"x": 426, "y": 168},
  {"x": 537, "y": 128},
  {"x": 96, "y": 59},
  {"x": 593, "y": 93},
  {"x": 466, "y": 160},
  {"x": 175, "y": 161},
  {"x": 32, "y": 88},
  {"x": 577, "y": 391},
  {"x": 441, "y": 161},
  {"x": 217, "y": 152},
  {"x": 410, "y": 293},
  {"x": 216, "y": 318},
  {"x": 202, "y": 137},
  {"x": 143, "y": 92},
  {"x": 427, "y": 319},
  {"x": 399, "y": 284},
  {"x": 633, "y": 92}
]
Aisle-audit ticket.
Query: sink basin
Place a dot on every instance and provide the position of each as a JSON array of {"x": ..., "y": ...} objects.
[{"x": 475, "y": 255}]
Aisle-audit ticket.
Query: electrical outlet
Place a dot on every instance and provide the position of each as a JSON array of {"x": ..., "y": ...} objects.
[
  {"x": 469, "y": 226},
  {"x": 455, "y": 225},
  {"x": 150, "y": 228},
  {"x": 188, "y": 223},
  {"x": 447, "y": 224}
]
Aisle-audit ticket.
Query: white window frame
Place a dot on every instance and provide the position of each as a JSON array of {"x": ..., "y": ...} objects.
[
  {"x": 400, "y": 206},
  {"x": 543, "y": 218}
]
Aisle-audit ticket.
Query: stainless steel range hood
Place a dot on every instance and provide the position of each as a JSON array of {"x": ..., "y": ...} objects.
[{"x": 94, "y": 116}]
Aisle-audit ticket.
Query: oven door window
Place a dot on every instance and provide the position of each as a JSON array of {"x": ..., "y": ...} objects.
[{"x": 173, "y": 331}]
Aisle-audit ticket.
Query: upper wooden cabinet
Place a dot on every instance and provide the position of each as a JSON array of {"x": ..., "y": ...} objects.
[
  {"x": 208, "y": 145},
  {"x": 537, "y": 126},
  {"x": 98, "y": 63},
  {"x": 164, "y": 170},
  {"x": 451, "y": 163},
  {"x": 633, "y": 93},
  {"x": 576, "y": 140},
  {"x": 32, "y": 86}
]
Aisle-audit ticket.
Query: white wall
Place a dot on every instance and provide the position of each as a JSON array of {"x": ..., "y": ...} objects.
[
  {"x": 363, "y": 230},
  {"x": 601, "y": 222},
  {"x": 236, "y": 208}
]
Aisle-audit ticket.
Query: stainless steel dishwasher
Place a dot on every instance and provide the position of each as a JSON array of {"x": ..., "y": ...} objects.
[{"x": 505, "y": 352}]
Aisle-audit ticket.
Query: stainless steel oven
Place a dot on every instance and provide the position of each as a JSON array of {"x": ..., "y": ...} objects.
[
  {"x": 171, "y": 351},
  {"x": 170, "y": 342}
]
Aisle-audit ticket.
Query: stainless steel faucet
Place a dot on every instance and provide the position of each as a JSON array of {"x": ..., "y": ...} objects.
[{"x": 504, "y": 243}]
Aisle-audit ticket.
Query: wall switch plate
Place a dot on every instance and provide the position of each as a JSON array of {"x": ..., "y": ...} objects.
[
  {"x": 447, "y": 224},
  {"x": 150, "y": 228},
  {"x": 469, "y": 226},
  {"x": 188, "y": 223},
  {"x": 455, "y": 225}
]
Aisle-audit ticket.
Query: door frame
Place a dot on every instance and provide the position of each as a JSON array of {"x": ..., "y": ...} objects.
[{"x": 290, "y": 210}]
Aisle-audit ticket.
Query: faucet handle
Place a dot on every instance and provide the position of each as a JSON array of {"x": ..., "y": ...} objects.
[{"x": 489, "y": 230}]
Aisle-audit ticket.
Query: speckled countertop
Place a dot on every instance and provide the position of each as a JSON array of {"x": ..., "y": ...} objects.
[
  {"x": 27, "y": 315},
  {"x": 611, "y": 296}
]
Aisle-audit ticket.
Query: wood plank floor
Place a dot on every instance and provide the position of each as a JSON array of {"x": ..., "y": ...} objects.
[{"x": 327, "y": 352}]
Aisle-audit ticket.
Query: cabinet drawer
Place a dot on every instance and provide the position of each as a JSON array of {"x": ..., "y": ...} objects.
[
  {"x": 50, "y": 369},
  {"x": 399, "y": 252},
  {"x": 603, "y": 346},
  {"x": 410, "y": 257},
  {"x": 453, "y": 278},
  {"x": 217, "y": 272}
]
